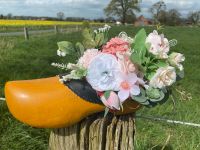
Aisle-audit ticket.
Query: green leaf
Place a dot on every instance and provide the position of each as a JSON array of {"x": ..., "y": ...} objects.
[
  {"x": 88, "y": 39},
  {"x": 150, "y": 75},
  {"x": 140, "y": 98},
  {"x": 66, "y": 47},
  {"x": 99, "y": 39},
  {"x": 146, "y": 103},
  {"x": 153, "y": 93},
  {"x": 139, "y": 47},
  {"x": 106, "y": 112},
  {"x": 107, "y": 94},
  {"x": 153, "y": 67},
  {"x": 136, "y": 58},
  {"x": 148, "y": 46},
  {"x": 162, "y": 96},
  {"x": 80, "y": 48},
  {"x": 162, "y": 64}
]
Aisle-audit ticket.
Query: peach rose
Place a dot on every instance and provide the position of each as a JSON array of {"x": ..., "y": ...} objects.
[{"x": 116, "y": 45}]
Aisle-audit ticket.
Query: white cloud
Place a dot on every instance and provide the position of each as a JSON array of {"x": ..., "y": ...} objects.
[
  {"x": 84, "y": 8},
  {"x": 50, "y": 2}
]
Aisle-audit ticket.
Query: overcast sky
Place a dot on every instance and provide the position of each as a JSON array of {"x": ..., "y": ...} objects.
[{"x": 84, "y": 8}]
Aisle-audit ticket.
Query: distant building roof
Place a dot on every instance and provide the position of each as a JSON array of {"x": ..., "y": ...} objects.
[{"x": 142, "y": 21}]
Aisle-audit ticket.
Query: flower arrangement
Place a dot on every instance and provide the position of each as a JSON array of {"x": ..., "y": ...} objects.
[{"x": 122, "y": 68}]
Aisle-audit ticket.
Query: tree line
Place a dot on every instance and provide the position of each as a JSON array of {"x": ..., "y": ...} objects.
[{"x": 125, "y": 11}]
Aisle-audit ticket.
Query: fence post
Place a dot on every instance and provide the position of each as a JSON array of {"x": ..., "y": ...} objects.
[
  {"x": 56, "y": 29},
  {"x": 26, "y": 35}
]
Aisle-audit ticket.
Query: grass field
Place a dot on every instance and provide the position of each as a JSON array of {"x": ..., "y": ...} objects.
[{"x": 21, "y": 59}]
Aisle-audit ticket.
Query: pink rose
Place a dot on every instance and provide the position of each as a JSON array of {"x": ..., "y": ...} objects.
[
  {"x": 116, "y": 45},
  {"x": 87, "y": 57}
]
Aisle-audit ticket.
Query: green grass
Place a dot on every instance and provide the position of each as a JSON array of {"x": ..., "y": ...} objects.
[{"x": 21, "y": 59}]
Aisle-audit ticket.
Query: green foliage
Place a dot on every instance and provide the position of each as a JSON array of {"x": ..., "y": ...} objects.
[
  {"x": 66, "y": 47},
  {"x": 93, "y": 40},
  {"x": 88, "y": 39},
  {"x": 142, "y": 99},
  {"x": 155, "y": 95},
  {"x": 80, "y": 48},
  {"x": 79, "y": 73},
  {"x": 99, "y": 39},
  {"x": 86, "y": 24},
  {"x": 161, "y": 63},
  {"x": 139, "y": 47}
]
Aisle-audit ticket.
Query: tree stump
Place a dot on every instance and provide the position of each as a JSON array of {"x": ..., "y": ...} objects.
[{"x": 96, "y": 133}]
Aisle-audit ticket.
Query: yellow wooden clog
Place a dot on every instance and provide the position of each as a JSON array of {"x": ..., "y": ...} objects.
[{"x": 47, "y": 103}]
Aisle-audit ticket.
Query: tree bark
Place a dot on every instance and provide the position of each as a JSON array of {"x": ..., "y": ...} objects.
[{"x": 96, "y": 133}]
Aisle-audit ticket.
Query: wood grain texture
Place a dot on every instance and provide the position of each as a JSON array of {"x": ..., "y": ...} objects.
[{"x": 96, "y": 133}]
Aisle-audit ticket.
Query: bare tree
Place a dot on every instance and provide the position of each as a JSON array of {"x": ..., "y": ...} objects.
[
  {"x": 173, "y": 17},
  {"x": 122, "y": 9},
  {"x": 60, "y": 15},
  {"x": 163, "y": 16},
  {"x": 156, "y": 9},
  {"x": 194, "y": 17}
]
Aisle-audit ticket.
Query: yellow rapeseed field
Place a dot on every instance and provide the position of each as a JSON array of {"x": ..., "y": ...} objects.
[{"x": 37, "y": 23}]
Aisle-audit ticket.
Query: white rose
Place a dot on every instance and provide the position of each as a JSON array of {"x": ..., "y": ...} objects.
[
  {"x": 159, "y": 45},
  {"x": 104, "y": 73},
  {"x": 175, "y": 59},
  {"x": 165, "y": 76}
]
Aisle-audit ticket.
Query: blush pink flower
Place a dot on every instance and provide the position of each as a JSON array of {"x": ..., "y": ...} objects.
[
  {"x": 87, "y": 57},
  {"x": 159, "y": 45},
  {"x": 112, "y": 102},
  {"x": 129, "y": 86},
  {"x": 126, "y": 65},
  {"x": 116, "y": 45}
]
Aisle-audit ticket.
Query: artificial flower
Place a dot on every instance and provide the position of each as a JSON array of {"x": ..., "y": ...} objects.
[
  {"x": 159, "y": 45},
  {"x": 129, "y": 86},
  {"x": 116, "y": 45},
  {"x": 125, "y": 37},
  {"x": 112, "y": 102},
  {"x": 104, "y": 73},
  {"x": 126, "y": 64},
  {"x": 175, "y": 59},
  {"x": 164, "y": 76},
  {"x": 88, "y": 57}
]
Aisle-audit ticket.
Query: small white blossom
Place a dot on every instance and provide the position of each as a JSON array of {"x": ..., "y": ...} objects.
[{"x": 61, "y": 66}]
